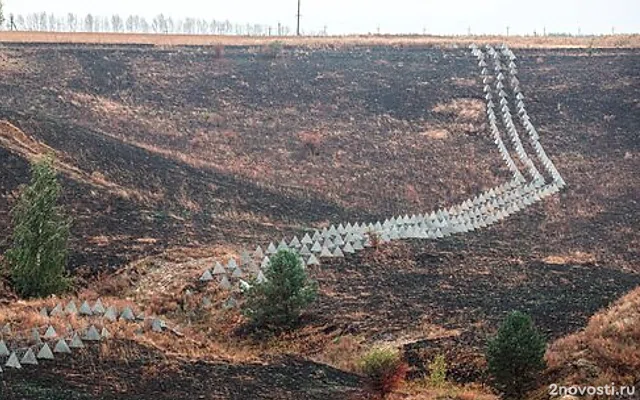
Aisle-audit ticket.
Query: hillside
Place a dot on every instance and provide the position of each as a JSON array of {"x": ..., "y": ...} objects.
[{"x": 172, "y": 156}]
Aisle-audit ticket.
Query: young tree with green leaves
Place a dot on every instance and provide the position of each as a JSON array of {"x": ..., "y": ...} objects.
[
  {"x": 38, "y": 255},
  {"x": 516, "y": 355},
  {"x": 278, "y": 302}
]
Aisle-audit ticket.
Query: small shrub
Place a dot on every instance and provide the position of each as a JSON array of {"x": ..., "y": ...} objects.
[
  {"x": 437, "y": 371},
  {"x": 278, "y": 302},
  {"x": 516, "y": 355},
  {"x": 273, "y": 50},
  {"x": 384, "y": 369},
  {"x": 38, "y": 255}
]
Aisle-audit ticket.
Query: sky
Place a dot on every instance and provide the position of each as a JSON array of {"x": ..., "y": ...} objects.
[{"x": 369, "y": 16}]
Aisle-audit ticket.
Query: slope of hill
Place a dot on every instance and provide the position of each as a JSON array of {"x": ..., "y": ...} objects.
[{"x": 176, "y": 147}]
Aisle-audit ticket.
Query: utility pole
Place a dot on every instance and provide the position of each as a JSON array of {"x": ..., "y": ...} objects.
[
  {"x": 507, "y": 30},
  {"x": 298, "y": 15}
]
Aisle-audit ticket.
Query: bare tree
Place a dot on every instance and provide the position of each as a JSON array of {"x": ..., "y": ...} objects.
[
  {"x": 20, "y": 23},
  {"x": 116, "y": 23},
  {"x": 72, "y": 22},
  {"x": 88, "y": 23},
  {"x": 159, "y": 24},
  {"x": 2, "y": 19}
]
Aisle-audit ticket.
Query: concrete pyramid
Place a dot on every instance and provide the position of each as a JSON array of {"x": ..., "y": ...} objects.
[
  {"x": 156, "y": 325},
  {"x": 237, "y": 273},
  {"x": 341, "y": 229},
  {"x": 62, "y": 347},
  {"x": 333, "y": 231},
  {"x": 316, "y": 248},
  {"x": 230, "y": 303},
  {"x": 313, "y": 260},
  {"x": 45, "y": 353},
  {"x": 338, "y": 241},
  {"x": 258, "y": 254},
  {"x": 337, "y": 252},
  {"x": 260, "y": 278},
  {"x": 245, "y": 258},
  {"x": 283, "y": 245},
  {"x": 71, "y": 308},
  {"x": 325, "y": 252},
  {"x": 218, "y": 269},
  {"x": 306, "y": 239},
  {"x": 76, "y": 342},
  {"x": 295, "y": 243},
  {"x": 348, "y": 248},
  {"x": 232, "y": 264},
  {"x": 127, "y": 314},
  {"x": 43, "y": 312},
  {"x": 98, "y": 308},
  {"x": 316, "y": 236},
  {"x": 105, "y": 333},
  {"x": 206, "y": 276},
  {"x": 206, "y": 302},
  {"x": 29, "y": 358},
  {"x": 328, "y": 243},
  {"x": 13, "y": 362},
  {"x": 35, "y": 335},
  {"x": 92, "y": 334},
  {"x": 85, "y": 309},
  {"x": 224, "y": 283},
  {"x": 305, "y": 250},
  {"x": 111, "y": 314},
  {"x": 265, "y": 263},
  {"x": 4, "y": 351},
  {"x": 271, "y": 249}
]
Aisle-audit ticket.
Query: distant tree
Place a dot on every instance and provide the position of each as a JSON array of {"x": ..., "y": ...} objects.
[
  {"x": 516, "y": 355},
  {"x": 159, "y": 24},
  {"x": 72, "y": 22},
  {"x": 129, "y": 24},
  {"x": 42, "y": 22},
  {"x": 2, "y": 19},
  {"x": 116, "y": 23},
  {"x": 88, "y": 23},
  {"x": 144, "y": 26},
  {"x": 20, "y": 23},
  {"x": 38, "y": 254}
]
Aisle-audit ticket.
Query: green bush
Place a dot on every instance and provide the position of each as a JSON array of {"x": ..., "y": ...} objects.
[
  {"x": 516, "y": 355},
  {"x": 384, "y": 369},
  {"x": 437, "y": 371},
  {"x": 278, "y": 302},
  {"x": 38, "y": 253}
]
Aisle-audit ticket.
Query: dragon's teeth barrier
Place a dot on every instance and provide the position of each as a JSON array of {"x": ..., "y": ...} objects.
[{"x": 498, "y": 73}]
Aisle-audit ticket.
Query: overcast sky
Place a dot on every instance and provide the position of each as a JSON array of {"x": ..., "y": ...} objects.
[{"x": 363, "y": 16}]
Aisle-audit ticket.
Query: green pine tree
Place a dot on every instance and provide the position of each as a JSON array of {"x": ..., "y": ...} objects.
[
  {"x": 278, "y": 302},
  {"x": 516, "y": 355},
  {"x": 38, "y": 255}
]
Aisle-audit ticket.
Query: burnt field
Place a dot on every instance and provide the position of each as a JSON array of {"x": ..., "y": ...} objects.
[
  {"x": 162, "y": 149},
  {"x": 179, "y": 146}
]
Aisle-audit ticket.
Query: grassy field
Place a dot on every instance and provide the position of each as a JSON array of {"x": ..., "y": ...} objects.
[{"x": 605, "y": 41}]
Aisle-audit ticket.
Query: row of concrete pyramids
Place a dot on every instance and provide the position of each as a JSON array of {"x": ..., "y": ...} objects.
[
  {"x": 44, "y": 351},
  {"x": 111, "y": 313},
  {"x": 511, "y": 76},
  {"x": 506, "y": 120},
  {"x": 485, "y": 209}
]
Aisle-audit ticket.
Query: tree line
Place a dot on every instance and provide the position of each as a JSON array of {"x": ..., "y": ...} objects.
[{"x": 49, "y": 22}]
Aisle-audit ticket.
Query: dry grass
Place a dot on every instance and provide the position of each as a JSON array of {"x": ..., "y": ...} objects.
[
  {"x": 607, "y": 350},
  {"x": 577, "y": 257},
  {"x": 463, "y": 110},
  {"x": 422, "y": 390},
  {"x": 606, "y": 41}
]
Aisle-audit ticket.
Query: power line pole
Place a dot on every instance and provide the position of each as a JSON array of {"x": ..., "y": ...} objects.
[
  {"x": 507, "y": 30},
  {"x": 298, "y": 15}
]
